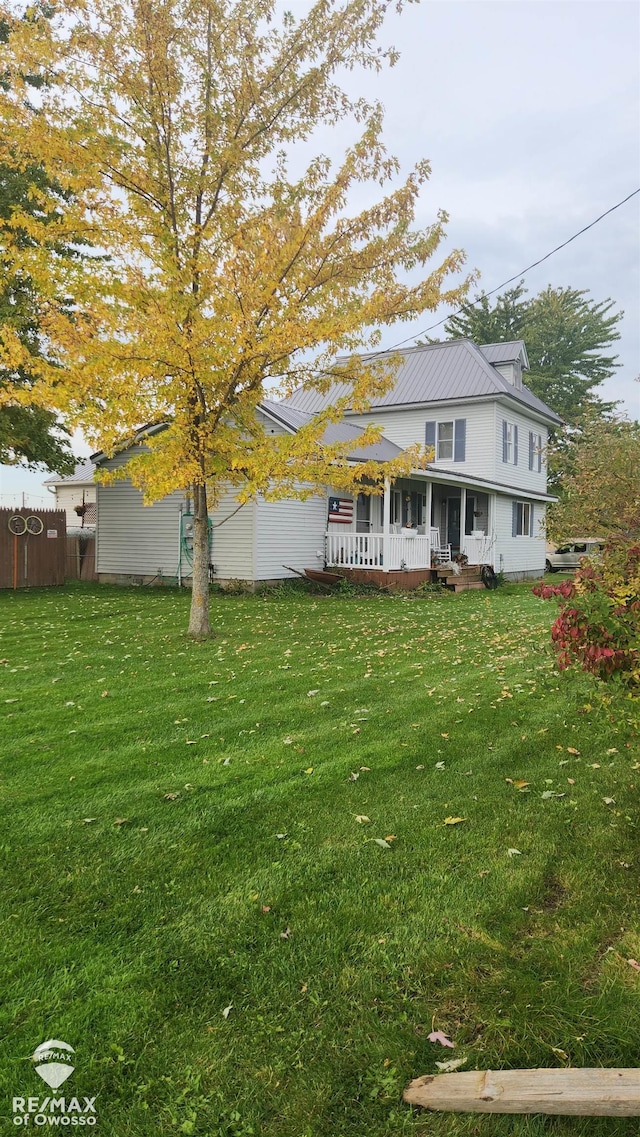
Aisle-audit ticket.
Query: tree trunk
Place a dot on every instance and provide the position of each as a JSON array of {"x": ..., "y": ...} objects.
[{"x": 199, "y": 626}]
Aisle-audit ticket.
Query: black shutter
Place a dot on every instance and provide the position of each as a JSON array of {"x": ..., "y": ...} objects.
[{"x": 430, "y": 436}]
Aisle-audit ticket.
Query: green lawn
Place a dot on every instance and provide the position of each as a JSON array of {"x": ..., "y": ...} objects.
[{"x": 180, "y": 835}]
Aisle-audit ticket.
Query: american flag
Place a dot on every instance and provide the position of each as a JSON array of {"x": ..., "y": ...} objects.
[{"x": 341, "y": 510}]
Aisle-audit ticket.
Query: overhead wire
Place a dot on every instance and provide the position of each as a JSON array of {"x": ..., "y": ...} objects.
[{"x": 517, "y": 276}]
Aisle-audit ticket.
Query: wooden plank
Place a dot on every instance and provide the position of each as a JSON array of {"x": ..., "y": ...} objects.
[{"x": 577, "y": 1092}]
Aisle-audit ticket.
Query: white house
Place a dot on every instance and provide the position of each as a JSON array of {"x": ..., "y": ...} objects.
[
  {"x": 76, "y": 494},
  {"x": 483, "y": 495}
]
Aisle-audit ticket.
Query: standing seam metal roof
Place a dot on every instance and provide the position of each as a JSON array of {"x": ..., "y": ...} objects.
[
  {"x": 455, "y": 369},
  {"x": 382, "y": 451}
]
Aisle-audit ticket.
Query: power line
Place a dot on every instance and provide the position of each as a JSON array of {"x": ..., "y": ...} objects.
[{"x": 518, "y": 275}]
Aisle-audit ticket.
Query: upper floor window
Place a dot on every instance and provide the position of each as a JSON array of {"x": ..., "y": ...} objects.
[
  {"x": 535, "y": 451},
  {"x": 509, "y": 442},
  {"x": 448, "y": 438}
]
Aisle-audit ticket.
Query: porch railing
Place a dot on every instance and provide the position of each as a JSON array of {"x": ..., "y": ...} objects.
[{"x": 373, "y": 550}]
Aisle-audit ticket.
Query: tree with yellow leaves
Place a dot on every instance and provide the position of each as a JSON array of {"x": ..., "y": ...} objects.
[{"x": 211, "y": 272}]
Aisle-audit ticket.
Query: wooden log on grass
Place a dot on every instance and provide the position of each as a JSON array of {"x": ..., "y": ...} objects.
[{"x": 579, "y": 1092}]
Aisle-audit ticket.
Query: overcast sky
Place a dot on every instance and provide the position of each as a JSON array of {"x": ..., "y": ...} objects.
[{"x": 529, "y": 111}]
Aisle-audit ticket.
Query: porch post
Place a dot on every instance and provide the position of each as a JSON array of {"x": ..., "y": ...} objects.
[
  {"x": 429, "y": 509},
  {"x": 463, "y": 515},
  {"x": 386, "y": 526}
]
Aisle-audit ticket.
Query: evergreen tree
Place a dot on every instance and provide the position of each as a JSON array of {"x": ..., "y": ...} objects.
[{"x": 567, "y": 336}]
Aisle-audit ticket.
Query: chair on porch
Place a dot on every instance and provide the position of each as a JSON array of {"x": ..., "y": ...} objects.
[{"x": 440, "y": 554}]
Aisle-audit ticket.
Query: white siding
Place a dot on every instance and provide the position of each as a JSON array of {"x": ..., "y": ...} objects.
[
  {"x": 518, "y": 554},
  {"x": 233, "y": 542},
  {"x": 67, "y": 497},
  {"x": 142, "y": 540},
  {"x": 289, "y": 532},
  {"x": 133, "y": 538},
  {"x": 506, "y": 472},
  {"x": 406, "y": 427}
]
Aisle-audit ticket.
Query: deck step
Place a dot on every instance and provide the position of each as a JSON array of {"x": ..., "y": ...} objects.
[{"x": 463, "y": 587}]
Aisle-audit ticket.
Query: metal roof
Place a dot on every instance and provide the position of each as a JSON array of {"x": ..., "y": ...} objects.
[
  {"x": 509, "y": 352},
  {"x": 293, "y": 418},
  {"x": 432, "y": 373},
  {"x": 82, "y": 475}
]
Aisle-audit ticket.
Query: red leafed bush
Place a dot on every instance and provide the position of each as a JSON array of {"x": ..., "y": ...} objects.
[{"x": 598, "y": 627}]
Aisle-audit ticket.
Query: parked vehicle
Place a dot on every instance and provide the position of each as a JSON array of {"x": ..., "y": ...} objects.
[{"x": 565, "y": 557}]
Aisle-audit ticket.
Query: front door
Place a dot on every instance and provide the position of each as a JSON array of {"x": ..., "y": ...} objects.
[
  {"x": 453, "y": 523},
  {"x": 363, "y": 513}
]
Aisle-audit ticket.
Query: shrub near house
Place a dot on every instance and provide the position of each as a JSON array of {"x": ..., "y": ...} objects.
[{"x": 599, "y": 623}]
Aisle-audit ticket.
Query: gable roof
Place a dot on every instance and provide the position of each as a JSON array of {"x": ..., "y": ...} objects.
[
  {"x": 438, "y": 372},
  {"x": 292, "y": 418},
  {"x": 82, "y": 475},
  {"x": 510, "y": 352}
]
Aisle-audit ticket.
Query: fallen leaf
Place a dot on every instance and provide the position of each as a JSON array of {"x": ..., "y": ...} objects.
[
  {"x": 452, "y": 1064},
  {"x": 310, "y": 694},
  {"x": 266, "y": 908},
  {"x": 88, "y": 820},
  {"x": 362, "y": 819},
  {"x": 353, "y": 777},
  {"x": 438, "y": 1036},
  {"x": 227, "y": 1011},
  {"x": 572, "y": 750},
  {"x": 634, "y": 964},
  {"x": 281, "y": 836},
  {"x": 104, "y": 695},
  {"x": 309, "y": 770},
  {"x": 390, "y": 837},
  {"x": 121, "y": 821},
  {"x": 438, "y": 766},
  {"x": 514, "y": 853},
  {"x": 517, "y": 783},
  {"x": 454, "y": 820},
  {"x": 171, "y": 797},
  {"x": 551, "y": 793},
  {"x": 285, "y": 935},
  {"x": 366, "y": 769},
  {"x": 609, "y": 800},
  {"x": 382, "y": 843},
  {"x": 560, "y": 1053}
]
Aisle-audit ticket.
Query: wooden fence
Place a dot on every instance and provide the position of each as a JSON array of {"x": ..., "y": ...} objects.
[{"x": 33, "y": 546}]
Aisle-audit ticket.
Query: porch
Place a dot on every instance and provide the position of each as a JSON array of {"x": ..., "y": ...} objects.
[{"x": 413, "y": 526}]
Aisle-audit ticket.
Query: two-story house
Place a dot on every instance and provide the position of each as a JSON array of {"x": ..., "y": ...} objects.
[{"x": 483, "y": 493}]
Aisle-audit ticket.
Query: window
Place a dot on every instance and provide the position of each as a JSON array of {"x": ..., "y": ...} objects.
[
  {"x": 448, "y": 439},
  {"x": 522, "y": 520},
  {"x": 535, "y": 451},
  {"x": 509, "y": 442},
  {"x": 444, "y": 449}
]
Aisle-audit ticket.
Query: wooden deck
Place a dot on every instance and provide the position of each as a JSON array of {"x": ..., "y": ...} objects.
[{"x": 407, "y": 579}]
